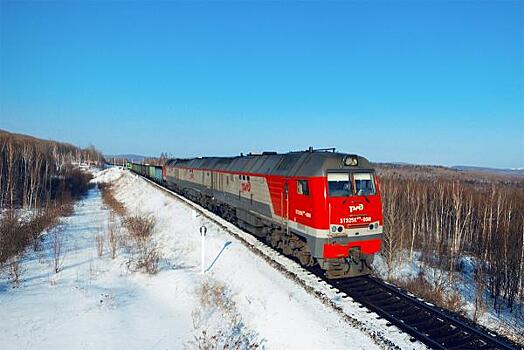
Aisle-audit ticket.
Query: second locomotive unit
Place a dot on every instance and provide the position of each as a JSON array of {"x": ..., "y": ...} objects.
[{"x": 318, "y": 206}]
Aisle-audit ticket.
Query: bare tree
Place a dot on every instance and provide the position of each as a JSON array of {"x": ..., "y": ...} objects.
[
  {"x": 99, "y": 238},
  {"x": 15, "y": 270},
  {"x": 391, "y": 244},
  {"x": 11, "y": 171},
  {"x": 57, "y": 237},
  {"x": 2, "y": 167}
]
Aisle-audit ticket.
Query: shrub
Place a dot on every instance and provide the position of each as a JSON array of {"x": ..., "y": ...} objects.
[
  {"x": 112, "y": 235},
  {"x": 433, "y": 292},
  {"x": 216, "y": 295},
  {"x": 454, "y": 302},
  {"x": 146, "y": 260},
  {"x": 146, "y": 256},
  {"x": 234, "y": 338},
  {"x": 13, "y": 236},
  {"x": 109, "y": 199},
  {"x": 140, "y": 227},
  {"x": 225, "y": 328}
]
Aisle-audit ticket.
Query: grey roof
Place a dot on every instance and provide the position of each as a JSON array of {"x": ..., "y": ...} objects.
[{"x": 307, "y": 163}]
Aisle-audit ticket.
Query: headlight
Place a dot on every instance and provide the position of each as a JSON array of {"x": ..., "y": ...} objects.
[
  {"x": 350, "y": 160},
  {"x": 340, "y": 229}
]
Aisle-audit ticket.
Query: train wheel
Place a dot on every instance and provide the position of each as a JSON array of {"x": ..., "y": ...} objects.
[
  {"x": 337, "y": 268},
  {"x": 301, "y": 251},
  {"x": 274, "y": 238},
  {"x": 305, "y": 258}
]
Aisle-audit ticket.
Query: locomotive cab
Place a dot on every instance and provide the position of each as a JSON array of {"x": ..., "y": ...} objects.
[{"x": 355, "y": 222}]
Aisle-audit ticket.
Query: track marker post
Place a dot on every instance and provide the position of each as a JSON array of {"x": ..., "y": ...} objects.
[{"x": 203, "y": 231}]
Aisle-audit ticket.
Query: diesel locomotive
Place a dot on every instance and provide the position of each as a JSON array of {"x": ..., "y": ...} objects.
[{"x": 319, "y": 206}]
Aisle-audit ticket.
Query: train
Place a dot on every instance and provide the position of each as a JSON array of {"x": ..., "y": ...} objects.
[{"x": 319, "y": 207}]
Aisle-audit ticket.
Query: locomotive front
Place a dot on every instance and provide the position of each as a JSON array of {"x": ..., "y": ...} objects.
[{"x": 353, "y": 216}]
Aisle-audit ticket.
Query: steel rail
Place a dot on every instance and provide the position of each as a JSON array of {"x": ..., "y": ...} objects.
[{"x": 413, "y": 315}]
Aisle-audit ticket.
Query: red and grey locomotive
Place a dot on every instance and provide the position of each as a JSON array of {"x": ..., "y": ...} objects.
[{"x": 318, "y": 206}]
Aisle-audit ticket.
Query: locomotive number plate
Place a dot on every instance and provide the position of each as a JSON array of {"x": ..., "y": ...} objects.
[{"x": 355, "y": 220}]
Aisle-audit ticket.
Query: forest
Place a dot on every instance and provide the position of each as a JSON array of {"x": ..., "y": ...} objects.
[
  {"x": 39, "y": 181},
  {"x": 447, "y": 215}
]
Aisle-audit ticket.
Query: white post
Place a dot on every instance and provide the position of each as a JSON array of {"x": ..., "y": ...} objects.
[{"x": 203, "y": 231}]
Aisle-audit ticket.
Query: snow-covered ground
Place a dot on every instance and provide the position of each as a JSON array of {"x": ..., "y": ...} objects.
[
  {"x": 505, "y": 321},
  {"x": 96, "y": 303}
]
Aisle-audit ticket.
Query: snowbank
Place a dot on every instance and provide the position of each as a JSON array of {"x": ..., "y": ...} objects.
[{"x": 107, "y": 175}]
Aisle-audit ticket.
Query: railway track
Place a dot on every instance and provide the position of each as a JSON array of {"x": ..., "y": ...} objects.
[
  {"x": 431, "y": 325},
  {"x": 435, "y": 327}
]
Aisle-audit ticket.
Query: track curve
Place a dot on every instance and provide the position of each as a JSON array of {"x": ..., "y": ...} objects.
[{"x": 435, "y": 327}]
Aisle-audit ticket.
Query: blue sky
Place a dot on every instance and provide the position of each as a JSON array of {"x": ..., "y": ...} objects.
[{"x": 412, "y": 81}]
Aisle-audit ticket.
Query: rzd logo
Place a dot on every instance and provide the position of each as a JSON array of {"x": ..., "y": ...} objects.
[
  {"x": 246, "y": 187},
  {"x": 353, "y": 208}
]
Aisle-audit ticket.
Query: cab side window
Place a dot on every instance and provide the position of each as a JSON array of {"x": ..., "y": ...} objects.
[{"x": 302, "y": 187}]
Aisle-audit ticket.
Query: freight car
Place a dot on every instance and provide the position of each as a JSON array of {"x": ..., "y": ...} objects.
[
  {"x": 153, "y": 172},
  {"x": 158, "y": 174},
  {"x": 320, "y": 207},
  {"x": 139, "y": 168}
]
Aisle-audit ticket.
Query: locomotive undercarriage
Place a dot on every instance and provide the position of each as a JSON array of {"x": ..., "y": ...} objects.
[
  {"x": 356, "y": 264},
  {"x": 278, "y": 237},
  {"x": 289, "y": 244}
]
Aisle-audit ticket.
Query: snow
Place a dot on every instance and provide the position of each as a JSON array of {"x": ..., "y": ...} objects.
[
  {"x": 506, "y": 322},
  {"x": 96, "y": 302},
  {"x": 93, "y": 303},
  {"x": 106, "y": 175}
]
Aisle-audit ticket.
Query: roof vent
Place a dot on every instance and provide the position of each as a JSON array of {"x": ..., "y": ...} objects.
[{"x": 311, "y": 149}]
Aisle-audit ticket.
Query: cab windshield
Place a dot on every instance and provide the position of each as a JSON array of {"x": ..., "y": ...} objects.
[
  {"x": 345, "y": 184},
  {"x": 339, "y": 185},
  {"x": 364, "y": 185}
]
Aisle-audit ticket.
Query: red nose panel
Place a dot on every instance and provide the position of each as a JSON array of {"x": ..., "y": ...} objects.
[{"x": 341, "y": 251}]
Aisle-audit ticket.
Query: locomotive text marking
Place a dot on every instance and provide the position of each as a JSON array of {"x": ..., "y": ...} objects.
[{"x": 355, "y": 220}]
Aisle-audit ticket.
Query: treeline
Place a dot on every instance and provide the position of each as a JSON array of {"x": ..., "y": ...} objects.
[
  {"x": 34, "y": 172},
  {"x": 447, "y": 215},
  {"x": 39, "y": 181}
]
